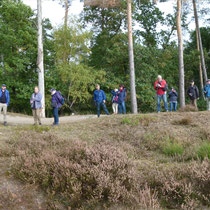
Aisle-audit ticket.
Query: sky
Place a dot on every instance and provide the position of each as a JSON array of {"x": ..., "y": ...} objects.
[{"x": 54, "y": 11}]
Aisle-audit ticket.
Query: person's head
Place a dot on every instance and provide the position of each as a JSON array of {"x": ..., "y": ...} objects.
[
  {"x": 53, "y": 91},
  {"x": 36, "y": 89},
  {"x": 192, "y": 82},
  {"x": 173, "y": 89},
  {"x": 3, "y": 87},
  {"x": 122, "y": 87},
  {"x": 159, "y": 78},
  {"x": 115, "y": 89},
  {"x": 208, "y": 81},
  {"x": 97, "y": 86}
]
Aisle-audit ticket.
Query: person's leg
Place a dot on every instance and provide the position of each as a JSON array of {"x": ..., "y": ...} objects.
[
  {"x": 120, "y": 108},
  {"x": 105, "y": 109},
  {"x": 113, "y": 108},
  {"x": 34, "y": 115},
  {"x": 116, "y": 108},
  {"x": 39, "y": 116},
  {"x": 208, "y": 103},
  {"x": 5, "y": 113},
  {"x": 158, "y": 103},
  {"x": 175, "y": 106},
  {"x": 123, "y": 107},
  {"x": 98, "y": 108},
  {"x": 192, "y": 102},
  {"x": 165, "y": 102},
  {"x": 171, "y": 106},
  {"x": 56, "y": 116},
  {"x": 195, "y": 103}
]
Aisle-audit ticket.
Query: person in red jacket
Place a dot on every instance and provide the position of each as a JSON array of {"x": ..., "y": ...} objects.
[{"x": 161, "y": 88}]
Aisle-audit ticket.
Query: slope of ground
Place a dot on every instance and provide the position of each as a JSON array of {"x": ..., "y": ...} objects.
[{"x": 118, "y": 162}]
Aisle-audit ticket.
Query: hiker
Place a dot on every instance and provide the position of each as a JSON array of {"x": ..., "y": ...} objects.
[
  {"x": 115, "y": 101},
  {"x": 161, "y": 87},
  {"x": 193, "y": 93},
  {"x": 36, "y": 106},
  {"x": 206, "y": 92},
  {"x": 56, "y": 103},
  {"x": 99, "y": 98},
  {"x": 121, "y": 99},
  {"x": 4, "y": 102},
  {"x": 173, "y": 96}
]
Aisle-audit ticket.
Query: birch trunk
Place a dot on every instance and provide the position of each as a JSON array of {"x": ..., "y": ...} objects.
[
  {"x": 181, "y": 57},
  {"x": 199, "y": 41},
  {"x": 131, "y": 60},
  {"x": 40, "y": 58}
]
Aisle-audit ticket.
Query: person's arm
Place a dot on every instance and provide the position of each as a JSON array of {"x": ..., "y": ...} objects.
[
  {"x": 204, "y": 90},
  {"x": 155, "y": 86},
  {"x": 8, "y": 98},
  {"x": 104, "y": 96},
  {"x": 197, "y": 92},
  {"x": 94, "y": 96},
  {"x": 176, "y": 94}
]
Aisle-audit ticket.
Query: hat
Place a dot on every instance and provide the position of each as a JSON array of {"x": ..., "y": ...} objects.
[
  {"x": 53, "y": 89},
  {"x": 3, "y": 85},
  {"x": 191, "y": 81},
  {"x": 208, "y": 80},
  {"x": 172, "y": 88}
]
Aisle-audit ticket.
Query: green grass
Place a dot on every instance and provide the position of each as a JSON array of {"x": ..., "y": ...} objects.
[
  {"x": 173, "y": 149},
  {"x": 204, "y": 150}
]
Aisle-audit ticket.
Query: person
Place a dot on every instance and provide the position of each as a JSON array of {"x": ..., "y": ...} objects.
[
  {"x": 206, "y": 92},
  {"x": 56, "y": 102},
  {"x": 99, "y": 98},
  {"x": 121, "y": 99},
  {"x": 173, "y": 96},
  {"x": 161, "y": 88},
  {"x": 4, "y": 102},
  {"x": 36, "y": 106},
  {"x": 193, "y": 93},
  {"x": 115, "y": 101}
]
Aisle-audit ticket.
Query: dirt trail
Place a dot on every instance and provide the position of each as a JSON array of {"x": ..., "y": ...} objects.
[{"x": 13, "y": 119}]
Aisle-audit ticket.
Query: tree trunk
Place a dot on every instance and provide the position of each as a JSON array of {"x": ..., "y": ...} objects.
[
  {"x": 199, "y": 44},
  {"x": 65, "y": 54},
  {"x": 131, "y": 60},
  {"x": 181, "y": 57},
  {"x": 40, "y": 58}
]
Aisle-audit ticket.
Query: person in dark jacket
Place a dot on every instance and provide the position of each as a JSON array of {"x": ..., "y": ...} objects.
[
  {"x": 99, "y": 98},
  {"x": 115, "y": 101},
  {"x": 121, "y": 99},
  {"x": 206, "y": 92},
  {"x": 56, "y": 103},
  {"x": 36, "y": 105},
  {"x": 173, "y": 96},
  {"x": 4, "y": 102},
  {"x": 193, "y": 93}
]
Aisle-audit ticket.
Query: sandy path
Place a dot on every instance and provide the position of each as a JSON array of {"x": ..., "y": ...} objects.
[{"x": 28, "y": 120}]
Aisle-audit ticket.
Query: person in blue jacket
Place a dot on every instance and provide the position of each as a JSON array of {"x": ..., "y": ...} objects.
[
  {"x": 56, "y": 103},
  {"x": 173, "y": 96},
  {"x": 121, "y": 99},
  {"x": 36, "y": 105},
  {"x": 115, "y": 101},
  {"x": 99, "y": 98},
  {"x": 206, "y": 92},
  {"x": 4, "y": 102}
]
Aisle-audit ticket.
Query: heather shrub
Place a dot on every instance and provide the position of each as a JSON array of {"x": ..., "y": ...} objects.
[
  {"x": 184, "y": 121},
  {"x": 204, "y": 150},
  {"x": 130, "y": 121},
  {"x": 188, "y": 108},
  {"x": 77, "y": 172}
]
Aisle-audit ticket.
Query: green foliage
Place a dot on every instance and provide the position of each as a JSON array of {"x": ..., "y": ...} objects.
[
  {"x": 204, "y": 150},
  {"x": 172, "y": 149}
]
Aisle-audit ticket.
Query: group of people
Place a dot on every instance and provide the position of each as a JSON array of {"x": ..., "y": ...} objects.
[
  {"x": 193, "y": 92},
  {"x": 118, "y": 99}
]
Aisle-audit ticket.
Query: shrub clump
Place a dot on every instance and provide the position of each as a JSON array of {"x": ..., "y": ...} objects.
[
  {"x": 204, "y": 150},
  {"x": 183, "y": 121},
  {"x": 79, "y": 173},
  {"x": 188, "y": 108},
  {"x": 173, "y": 149}
]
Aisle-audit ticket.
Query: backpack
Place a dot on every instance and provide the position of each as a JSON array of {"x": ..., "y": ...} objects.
[
  {"x": 61, "y": 99},
  {"x": 115, "y": 99}
]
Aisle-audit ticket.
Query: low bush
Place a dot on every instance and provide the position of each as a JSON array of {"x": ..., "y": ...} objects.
[
  {"x": 204, "y": 150},
  {"x": 172, "y": 149},
  {"x": 184, "y": 121},
  {"x": 188, "y": 108}
]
